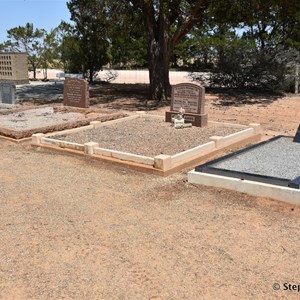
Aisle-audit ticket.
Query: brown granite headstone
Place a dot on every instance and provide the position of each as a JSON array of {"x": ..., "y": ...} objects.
[
  {"x": 76, "y": 92},
  {"x": 190, "y": 97}
]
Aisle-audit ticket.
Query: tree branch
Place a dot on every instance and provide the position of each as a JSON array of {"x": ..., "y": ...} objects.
[{"x": 193, "y": 18}]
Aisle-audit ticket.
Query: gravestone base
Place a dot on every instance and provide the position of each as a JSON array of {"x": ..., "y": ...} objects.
[
  {"x": 6, "y": 105},
  {"x": 196, "y": 119}
]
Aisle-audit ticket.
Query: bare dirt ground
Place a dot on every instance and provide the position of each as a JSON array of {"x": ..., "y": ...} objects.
[{"x": 73, "y": 228}]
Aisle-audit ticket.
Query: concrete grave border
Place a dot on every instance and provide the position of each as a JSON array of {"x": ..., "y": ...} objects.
[
  {"x": 161, "y": 164},
  {"x": 253, "y": 184},
  {"x": 259, "y": 189}
]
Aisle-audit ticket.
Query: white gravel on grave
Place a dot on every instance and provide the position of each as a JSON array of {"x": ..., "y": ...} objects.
[
  {"x": 279, "y": 158},
  {"x": 35, "y": 118},
  {"x": 147, "y": 136}
]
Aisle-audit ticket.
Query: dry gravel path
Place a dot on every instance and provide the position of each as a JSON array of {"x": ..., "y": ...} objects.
[{"x": 73, "y": 228}]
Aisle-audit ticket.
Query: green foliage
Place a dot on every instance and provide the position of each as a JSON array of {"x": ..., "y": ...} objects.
[
  {"x": 91, "y": 27},
  {"x": 27, "y": 39},
  {"x": 243, "y": 43},
  {"x": 49, "y": 54},
  {"x": 128, "y": 41},
  {"x": 261, "y": 54},
  {"x": 40, "y": 46},
  {"x": 243, "y": 67}
]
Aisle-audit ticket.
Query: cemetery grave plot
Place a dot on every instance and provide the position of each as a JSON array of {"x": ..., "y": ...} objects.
[
  {"x": 270, "y": 169},
  {"x": 148, "y": 141},
  {"x": 22, "y": 123},
  {"x": 147, "y": 136}
]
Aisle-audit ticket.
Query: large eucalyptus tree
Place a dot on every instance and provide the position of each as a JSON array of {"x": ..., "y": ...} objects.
[{"x": 166, "y": 23}]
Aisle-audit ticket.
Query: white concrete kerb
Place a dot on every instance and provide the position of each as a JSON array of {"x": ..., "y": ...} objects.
[
  {"x": 36, "y": 138},
  {"x": 163, "y": 162},
  {"x": 89, "y": 148},
  {"x": 254, "y": 188},
  {"x": 218, "y": 140},
  {"x": 95, "y": 123},
  {"x": 257, "y": 128}
]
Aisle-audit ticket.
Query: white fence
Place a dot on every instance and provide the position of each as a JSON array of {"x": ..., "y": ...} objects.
[{"x": 124, "y": 76}]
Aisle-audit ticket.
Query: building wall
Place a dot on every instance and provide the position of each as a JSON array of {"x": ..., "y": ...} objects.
[{"x": 13, "y": 67}]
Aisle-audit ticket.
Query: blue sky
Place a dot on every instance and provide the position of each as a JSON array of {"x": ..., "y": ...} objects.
[{"x": 44, "y": 14}]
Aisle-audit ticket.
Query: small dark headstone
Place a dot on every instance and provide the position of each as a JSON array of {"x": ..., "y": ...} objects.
[
  {"x": 7, "y": 92},
  {"x": 297, "y": 136}
]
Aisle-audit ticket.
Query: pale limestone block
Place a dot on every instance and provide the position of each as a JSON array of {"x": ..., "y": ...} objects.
[
  {"x": 36, "y": 138},
  {"x": 95, "y": 124},
  {"x": 257, "y": 128},
  {"x": 89, "y": 147},
  {"x": 163, "y": 162},
  {"x": 218, "y": 140}
]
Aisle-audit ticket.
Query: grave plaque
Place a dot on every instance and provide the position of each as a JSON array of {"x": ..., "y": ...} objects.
[
  {"x": 7, "y": 92},
  {"x": 189, "y": 97},
  {"x": 297, "y": 136},
  {"x": 76, "y": 92}
]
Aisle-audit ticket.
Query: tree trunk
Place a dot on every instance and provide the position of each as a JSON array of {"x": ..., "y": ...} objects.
[
  {"x": 91, "y": 75},
  {"x": 33, "y": 70},
  {"x": 45, "y": 72},
  {"x": 159, "y": 59},
  {"x": 158, "y": 17}
]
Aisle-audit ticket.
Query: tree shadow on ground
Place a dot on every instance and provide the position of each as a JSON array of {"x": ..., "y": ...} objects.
[
  {"x": 40, "y": 94},
  {"x": 131, "y": 97},
  {"x": 241, "y": 97},
  {"x": 135, "y": 97}
]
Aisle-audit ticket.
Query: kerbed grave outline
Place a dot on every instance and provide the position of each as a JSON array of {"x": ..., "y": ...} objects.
[
  {"x": 161, "y": 164},
  {"x": 253, "y": 183},
  {"x": 25, "y": 134}
]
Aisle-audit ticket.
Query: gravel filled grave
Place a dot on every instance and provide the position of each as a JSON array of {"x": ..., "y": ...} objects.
[
  {"x": 23, "y": 122},
  {"x": 148, "y": 136},
  {"x": 278, "y": 158},
  {"x": 37, "y": 117}
]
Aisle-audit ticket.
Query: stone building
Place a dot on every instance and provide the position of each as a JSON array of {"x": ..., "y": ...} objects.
[{"x": 14, "y": 67}]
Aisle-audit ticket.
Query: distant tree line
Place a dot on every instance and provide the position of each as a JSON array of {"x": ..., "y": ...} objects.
[{"x": 244, "y": 44}]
